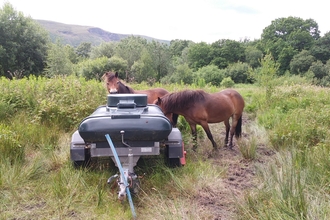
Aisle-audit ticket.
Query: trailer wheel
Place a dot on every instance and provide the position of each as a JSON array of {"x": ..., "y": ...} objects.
[
  {"x": 135, "y": 185},
  {"x": 85, "y": 162},
  {"x": 174, "y": 162}
]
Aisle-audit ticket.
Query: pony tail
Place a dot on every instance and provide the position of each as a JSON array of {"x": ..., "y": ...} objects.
[{"x": 238, "y": 129}]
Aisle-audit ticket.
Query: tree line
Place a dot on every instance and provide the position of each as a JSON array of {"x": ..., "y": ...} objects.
[{"x": 294, "y": 44}]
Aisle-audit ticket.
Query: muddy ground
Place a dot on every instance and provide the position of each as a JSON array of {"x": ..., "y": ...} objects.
[{"x": 239, "y": 178}]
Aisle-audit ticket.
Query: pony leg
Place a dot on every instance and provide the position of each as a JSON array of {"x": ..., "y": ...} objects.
[
  {"x": 194, "y": 135},
  {"x": 209, "y": 134},
  {"x": 226, "y": 122},
  {"x": 233, "y": 129}
]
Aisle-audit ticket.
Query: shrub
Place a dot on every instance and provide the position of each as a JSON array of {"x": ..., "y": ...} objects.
[
  {"x": 211, "y": 74},
  {"x": 227, "y": 82},
  {"x": 238, "y": 72},
  {"x": 93, "y": 69}
]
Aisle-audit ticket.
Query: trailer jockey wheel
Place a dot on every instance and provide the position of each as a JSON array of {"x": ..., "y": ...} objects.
[{"x": 134, "y": 183}]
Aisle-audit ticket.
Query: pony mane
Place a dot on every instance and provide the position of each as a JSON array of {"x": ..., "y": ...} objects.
[
  {"x": 125, "y": 87},
  {"x": 108, "y": 76},
  {"x": 182, "y": 100}
]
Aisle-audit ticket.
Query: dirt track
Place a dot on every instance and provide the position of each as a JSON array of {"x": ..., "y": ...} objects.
[{"x": 240, "y": 177}]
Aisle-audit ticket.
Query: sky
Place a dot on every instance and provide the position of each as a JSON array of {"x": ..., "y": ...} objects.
[{"x": 196, "y": 20}]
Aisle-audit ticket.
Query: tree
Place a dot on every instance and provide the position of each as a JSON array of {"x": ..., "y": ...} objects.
[
  {"x": 321, "y": 73},
  {"x": 182, "y": 74},
  {"x": 301, "y": 62},
  {"x": 92, "y": 69},
  {"x": 284, "y": 58},
  {"x": 265, "y": 75},
  {"x": 143, "y": 69},
  {"x": 238, "y": 72},
  {"x": 220, "y": 62},
  {"x": 211, "y": 74},
  {"x": 321, "y": 48},
  {"x": 253, "y": 56},
  {"x": 117, "y": 64},
  {"x": 161, "y": 58},
  {"x": 177, "y": 46},
  {"x": 300, "y": 40},
  {"x": 294, "y": 33},
  {"x": 70, "y": 51},
  {"x": 287, "y": 28},
  {"x": 273, "y": 47},
  {"x": 130, "y": 50},
  {"x": 58, "y": 60},
  {"x": 84, "y": 49},
  {"x": 106, "y": 49},
  {"x": 319, "y": 69},
  {"x": 225, "y": 52},
  {"x": 198, "y": 55},
  {"x": 23, "y": 43}
]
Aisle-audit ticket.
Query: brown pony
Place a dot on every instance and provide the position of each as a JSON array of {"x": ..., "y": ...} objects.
[
  {"x": 115, "y": 86},
  {"x": 199, "y": 107}
]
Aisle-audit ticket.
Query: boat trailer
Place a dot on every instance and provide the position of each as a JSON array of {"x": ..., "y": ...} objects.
[{"x": 123, "y": 130}]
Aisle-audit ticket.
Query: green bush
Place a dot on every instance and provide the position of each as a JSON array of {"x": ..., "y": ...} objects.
[
  {"x": 182, "y": 74},
  {"x": 93, "y": 69},
  {"x": 227, "y": 82},
  {"x": 211, "y": 74},
  {"x": 238, "y": 72}
]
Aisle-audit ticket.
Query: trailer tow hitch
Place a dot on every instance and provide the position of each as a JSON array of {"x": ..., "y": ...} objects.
[
  {"x": 133, "y": 184},
  {"x": 124, "y": 190}
]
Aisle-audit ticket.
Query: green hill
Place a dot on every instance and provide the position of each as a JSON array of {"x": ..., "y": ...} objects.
[{"x": 76, "y": 34}]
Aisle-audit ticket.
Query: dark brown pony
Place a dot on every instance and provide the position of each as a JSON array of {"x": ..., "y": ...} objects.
[
  {"x": 115, "y": 86},
  {"x": 199, "y": 107}
]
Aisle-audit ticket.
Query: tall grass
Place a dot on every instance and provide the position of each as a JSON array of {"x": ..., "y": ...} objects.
[
  {"x": 170, "y": 193},
  {"x": 38, "y": 181},
  {"x": 63, "y": 101},
  {"x": 296, "y": 184}
]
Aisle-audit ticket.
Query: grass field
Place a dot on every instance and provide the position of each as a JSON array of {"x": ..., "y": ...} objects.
[{"x": 279, "y": 169}]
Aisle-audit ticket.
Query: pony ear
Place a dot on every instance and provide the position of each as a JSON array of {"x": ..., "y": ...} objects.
[
  {"x": 104, "y": 75},
  {"x": 159, "y": 100},
  {"x": 116, "y": 74}
]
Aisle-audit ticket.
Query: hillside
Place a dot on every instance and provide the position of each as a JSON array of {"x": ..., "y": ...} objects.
[{"x": 76, "y": 34}]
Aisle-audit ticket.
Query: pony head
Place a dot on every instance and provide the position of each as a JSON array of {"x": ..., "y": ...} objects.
[{"x": 111, "y": 81}]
